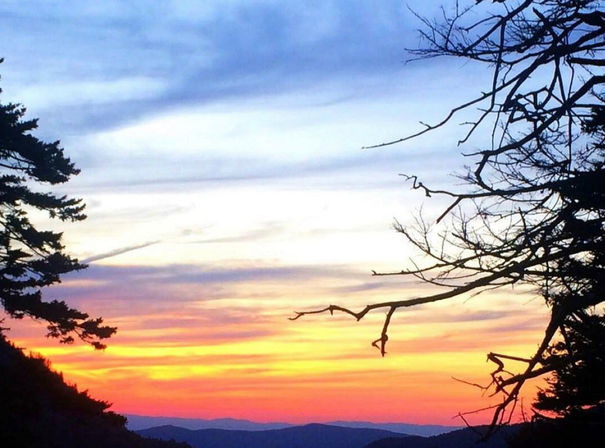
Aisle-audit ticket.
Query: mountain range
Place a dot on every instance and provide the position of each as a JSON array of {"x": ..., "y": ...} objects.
[
  {"x": 139, "y": 422},
  {"x": 323, "y": 436},
  {"x": 307, "y": 436}
]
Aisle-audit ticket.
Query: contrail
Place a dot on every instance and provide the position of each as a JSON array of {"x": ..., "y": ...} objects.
[{"x": 115, "y": 252}]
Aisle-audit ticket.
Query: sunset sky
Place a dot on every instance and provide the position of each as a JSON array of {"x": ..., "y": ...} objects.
[{"x": 220, "y": 148}]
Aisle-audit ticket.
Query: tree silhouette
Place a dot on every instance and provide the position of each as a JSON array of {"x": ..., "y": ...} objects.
[
  {"x": 578, "y": 362},
  {"x": 533, "y": 208},
  {"x": 31, "y": 259},
  {"x": 39, "y": 410}
]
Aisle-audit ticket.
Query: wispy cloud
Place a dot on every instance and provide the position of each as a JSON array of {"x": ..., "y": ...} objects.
[
  {"x": 219, "y": 50},
  {"x": 203, "y": 274},
  {"x": 269, "y": 230},
  {"x": 116, "y": 252},
  {"x": 129, "y": 290}
]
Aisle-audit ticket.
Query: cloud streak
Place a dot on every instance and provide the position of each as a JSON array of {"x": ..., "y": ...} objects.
[{"x": 116, "y": 252}]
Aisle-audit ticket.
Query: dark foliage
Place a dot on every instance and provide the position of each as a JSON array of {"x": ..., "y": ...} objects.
[
  {"x": 577, "y": 385},
  {"x": 38, "y": 410},
  {"x": 588, "y": 431},
  {"x": 31, "y": 259}
]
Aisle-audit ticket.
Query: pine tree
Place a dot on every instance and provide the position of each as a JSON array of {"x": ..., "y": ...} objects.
[{"x": 30, "y": 258}]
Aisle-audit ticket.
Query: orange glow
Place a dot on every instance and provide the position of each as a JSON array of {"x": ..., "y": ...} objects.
[{"x": 261, "y": 366}]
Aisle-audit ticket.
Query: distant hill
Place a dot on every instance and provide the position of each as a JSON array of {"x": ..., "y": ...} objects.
[
  {"x": 38, "y": 410},
  {"x": 404, "y": 428},
  {"x": 138, "y": 422},
  {"x": 307, "y": 436},
  {"x": 462, "y": 438}
]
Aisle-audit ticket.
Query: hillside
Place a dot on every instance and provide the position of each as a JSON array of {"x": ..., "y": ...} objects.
[
  {"x": 38, "y": 410},
  {"x": 307, "y": 436}
]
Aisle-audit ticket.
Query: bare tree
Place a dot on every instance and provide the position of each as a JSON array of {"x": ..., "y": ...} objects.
[{"x": 533, "y": 208}]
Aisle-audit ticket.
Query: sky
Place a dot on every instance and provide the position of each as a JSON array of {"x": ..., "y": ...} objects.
[{"x": 220, "y": 144}]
